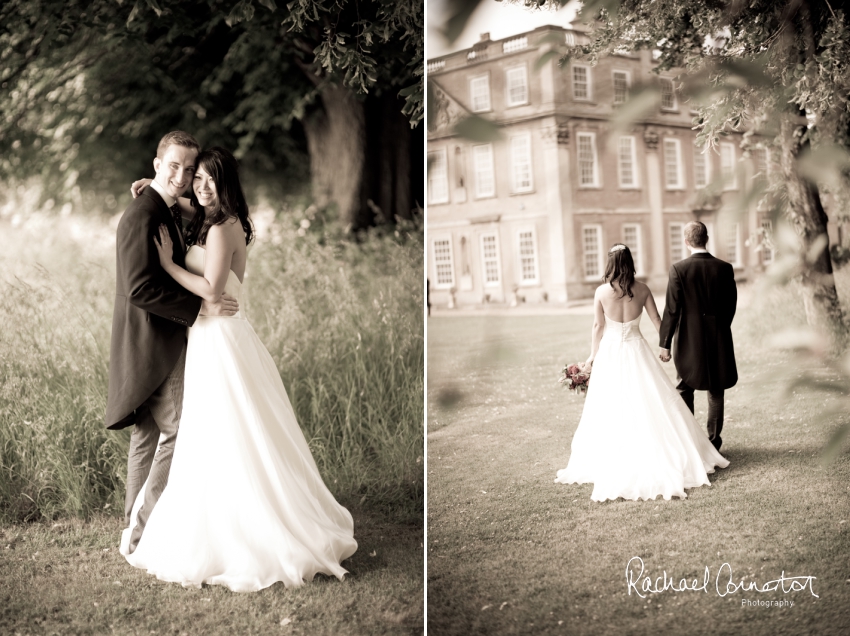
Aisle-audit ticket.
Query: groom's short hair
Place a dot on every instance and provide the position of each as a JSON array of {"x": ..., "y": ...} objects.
[
  {"x": 696, "y": 234},
  {"x": 178, "y": 138}
]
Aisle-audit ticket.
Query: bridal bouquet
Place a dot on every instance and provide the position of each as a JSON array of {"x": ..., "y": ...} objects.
[{"x": 575, "y": 378}]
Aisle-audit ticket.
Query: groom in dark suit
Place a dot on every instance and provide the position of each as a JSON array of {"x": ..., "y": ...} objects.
[
  {"x": 701, "y": 300},
  {"x": 149, "y": 322}
]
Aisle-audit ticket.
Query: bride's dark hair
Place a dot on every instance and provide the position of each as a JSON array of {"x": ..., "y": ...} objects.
[
  {"x": 620, "y": 269},
  {"x": 222, "y": 167}
]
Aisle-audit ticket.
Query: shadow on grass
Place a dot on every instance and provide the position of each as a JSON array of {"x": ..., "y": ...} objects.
[{"x": 745, "y": 460}]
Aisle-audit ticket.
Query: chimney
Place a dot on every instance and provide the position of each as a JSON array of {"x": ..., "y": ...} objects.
[{"x": 485, "y": 37}]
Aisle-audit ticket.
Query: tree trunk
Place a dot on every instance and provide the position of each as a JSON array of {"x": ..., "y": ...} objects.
[
  {"x": 806, "y": 213},
  {"x": 364, "y": 159},
  {"x": 336, "y": 140}
]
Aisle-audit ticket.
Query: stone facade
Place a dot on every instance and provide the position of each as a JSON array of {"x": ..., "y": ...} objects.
[{"x": 530, "y": 217}]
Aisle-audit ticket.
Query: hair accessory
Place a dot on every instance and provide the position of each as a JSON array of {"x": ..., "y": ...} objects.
[{"x": 616, "y": 248}]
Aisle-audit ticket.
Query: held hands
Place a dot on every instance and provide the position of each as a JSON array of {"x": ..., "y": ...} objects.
[
  {"x": 165, "y": 248},
  {"x": 665, "y": 355},
  {"x": 588, "y": 364},
  {"x": 138, "y": 186},
  {"x": 225, "y": 306}
]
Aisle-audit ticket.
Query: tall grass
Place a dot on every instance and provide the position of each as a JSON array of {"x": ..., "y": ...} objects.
[{"x": 343, "y": 320}]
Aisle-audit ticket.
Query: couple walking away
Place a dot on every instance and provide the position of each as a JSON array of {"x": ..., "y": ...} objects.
[
  {"x": 236, "y": 498},
  {"x": 637, "y": 437}
]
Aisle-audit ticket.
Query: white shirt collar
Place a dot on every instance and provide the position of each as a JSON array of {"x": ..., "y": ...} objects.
[
  {"x": 698, "y": 250},
  {"x": 169, "y": 200}
]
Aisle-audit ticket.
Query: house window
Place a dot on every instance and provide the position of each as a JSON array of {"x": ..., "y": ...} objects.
[
  {"x": 587, "y": 169},
  {"x": 592, "y": 245},
  {"x": 673, "y": 165},
  {"x": 767, "y": 251},
  {"x": 733, "y": 245},
  {"x": 490, "y": 260},
  {"x": 621, "y": 86},
  {"x": 631, "y": 237},
  {"x": 668, "y": 95},
  {"x": 521, "y": 162},
  {"x": 444, "y": 263},
  {"x": 702, "y": 167},
  {"x": 727, "y": 166},
  {"x": 479, "y": 88},
  {"x": 517, "y": 81},
  {"x": 760, "y": 165},
  {"x": 627, "y": 162},
  {"x": 438, "y": 177},
  {"x": 485, "y": 185},
  {"x": 677, "y": 242},
  {"x": 528, "y": 257},
  {"x": 581, "y": 82}
]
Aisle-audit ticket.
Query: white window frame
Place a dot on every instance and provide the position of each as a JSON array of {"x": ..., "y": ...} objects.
[
  {"x": 600, "y": 253},
  {"x": 589, "y": 84},
  {"x": 628, "y": 75},
  {"x": 472, "y": 83},
  {"x": 729, "y": 174},
  {"x": 680, "y": 173},
  {"x": 440, "y": 239},
  {"x": 768, "y": 254},
  {"x": 527, "y": 281},
  {"x": 477, "y": 155},
  {"x": 508, "y": 72},
  {"x": 766, "y": 173},
  {"x": 497, "y": 259},
  {"x": 734, "y": 229},
  {"x": 679, "y": 228},
  {"x": 635, "y": 183},
  {"x": 440, "y": 161},
  {"x": 637, "y": 250},
  {"x": 675, "y": 105},
  {"x": 706, "y": 155},
  {"x": 517, "y": 187},
  {"x": 595, "y": 158}
]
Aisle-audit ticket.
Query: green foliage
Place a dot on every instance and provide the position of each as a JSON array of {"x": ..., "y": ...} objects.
[
  {"x": 343, "y": 322},
  {"x": 88, "y": 88}
]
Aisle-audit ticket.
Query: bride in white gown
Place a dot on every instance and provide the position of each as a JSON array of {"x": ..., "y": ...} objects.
[
  {"x": 636, "y": 438},
  {"x": 245, "y": 505}
]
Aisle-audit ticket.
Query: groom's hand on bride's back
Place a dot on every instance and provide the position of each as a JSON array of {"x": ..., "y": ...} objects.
[{"x": 224, "y": 306}]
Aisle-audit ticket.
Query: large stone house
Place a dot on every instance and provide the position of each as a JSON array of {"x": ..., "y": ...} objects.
[{"x": 530, "y": 217}]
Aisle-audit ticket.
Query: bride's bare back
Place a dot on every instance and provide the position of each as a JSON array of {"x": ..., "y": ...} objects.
[
  {"x": 622, "y": 308},
  {"x": 610, "y": 301}
]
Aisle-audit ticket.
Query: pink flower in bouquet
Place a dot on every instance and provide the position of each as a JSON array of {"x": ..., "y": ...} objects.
[{"x": 575, "y": 378}]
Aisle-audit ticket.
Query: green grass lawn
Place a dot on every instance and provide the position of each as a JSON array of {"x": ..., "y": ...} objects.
[
  {"x": 511, "y": 552},
  {"x": 68, "y": 578}
]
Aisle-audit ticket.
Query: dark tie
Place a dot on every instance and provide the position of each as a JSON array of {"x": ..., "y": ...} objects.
[{"x": 178, "y": 221}]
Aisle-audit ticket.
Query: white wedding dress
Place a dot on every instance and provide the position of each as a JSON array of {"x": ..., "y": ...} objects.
[
  {"x": 636, "y": 438},
  {"x": 245, "y": 505}
]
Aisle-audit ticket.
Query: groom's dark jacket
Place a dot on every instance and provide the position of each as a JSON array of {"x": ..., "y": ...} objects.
[
  {"x": 151, "y": 310},
  {"x": 701, "y": 300}
]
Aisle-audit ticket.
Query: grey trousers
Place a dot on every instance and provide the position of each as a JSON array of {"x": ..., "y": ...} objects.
[{"x": 159, "y": 414}]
